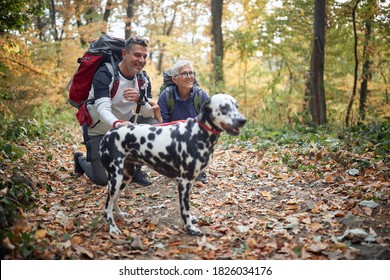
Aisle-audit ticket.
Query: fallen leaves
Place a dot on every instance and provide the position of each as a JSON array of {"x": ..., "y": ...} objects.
[{"x": 255, "y": 206}]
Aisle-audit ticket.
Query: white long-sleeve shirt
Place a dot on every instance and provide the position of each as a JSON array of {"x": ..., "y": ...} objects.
[{"x": 106, "y": 110}]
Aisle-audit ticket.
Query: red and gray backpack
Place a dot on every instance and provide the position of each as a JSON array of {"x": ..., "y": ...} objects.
[{"x": 106, "y": 49}]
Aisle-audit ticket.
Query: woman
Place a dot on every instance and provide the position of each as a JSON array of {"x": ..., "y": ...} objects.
[{"x": 184, "y": 94}]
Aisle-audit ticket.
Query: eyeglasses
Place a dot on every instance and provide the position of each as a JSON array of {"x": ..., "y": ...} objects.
[
  {"x": 187, "y": 74},
  {"x": 137, "y": 40}
]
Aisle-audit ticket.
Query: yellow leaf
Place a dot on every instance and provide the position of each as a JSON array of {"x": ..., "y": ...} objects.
[
  {"x": 151, "y": 227},
  {"x": 291, "y": 207},
  {"x": 41, "y": 233},
  {"x": 306, "y": 220},
  {"x": 329, "y": 179},
  {"x": 126, "y": 232},
  {"x": 76, "y": 239},
  {"x": 315, "y": 226},
  {"x": 8, "y": 48},
  {"x": 315, "y": 209},
  {"x": 284, "y": 176},
  {"x": 251, "y": 242},
  {"x": 292, "y": 202},
  {"x": 266, "y": 195}
]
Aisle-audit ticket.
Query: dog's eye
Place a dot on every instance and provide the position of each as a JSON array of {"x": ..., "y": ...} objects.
[{"x": 225, "y": 110}]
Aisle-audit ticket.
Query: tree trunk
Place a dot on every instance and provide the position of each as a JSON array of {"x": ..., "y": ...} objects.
[
  {"x": 386, "y": 87},
  {"x": 317, "y": 102},
  {"x": 352, "y": 99},
  {"x": 167, "y": 32},
  {"x": 365, "y": 73},
  {"x": 79, "y": 23},
  {"x": 40, "y": 26},
  {"x": 106, "y": 14},
  {"x": 53, "y": 19},
  {"x": 216, "y": 14},
  {"x": 370, "y": 9},
  {"x": 129, "y": 19}
]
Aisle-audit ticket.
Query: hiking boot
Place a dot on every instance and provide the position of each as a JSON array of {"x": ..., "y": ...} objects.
[
  {"x": 202, "y": 178},
  {"x": 77, "y": 167},
  {"x": 140, "y": 178}
]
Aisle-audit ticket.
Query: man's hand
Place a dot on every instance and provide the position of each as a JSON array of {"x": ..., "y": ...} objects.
[
  {"x": 119, "y": 124},
  {"x": 131, "y": 94}
]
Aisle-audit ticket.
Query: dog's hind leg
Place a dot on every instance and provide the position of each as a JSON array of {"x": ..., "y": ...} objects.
[
  {"x": 115, "y": 185},
  {"x": 184, "y": 199},
  {"x": 112, "y": 203}
]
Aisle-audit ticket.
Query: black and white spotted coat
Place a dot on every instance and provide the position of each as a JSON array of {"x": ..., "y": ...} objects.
[{"x": 182, "y": 151}]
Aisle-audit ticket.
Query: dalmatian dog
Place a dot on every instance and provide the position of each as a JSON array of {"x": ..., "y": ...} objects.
[{"x": 181, "y": 150}]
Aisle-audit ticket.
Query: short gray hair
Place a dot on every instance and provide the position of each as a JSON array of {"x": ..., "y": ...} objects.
[
  {"x": 132, "y": 41},
  {"x": 178, "y": 65}
]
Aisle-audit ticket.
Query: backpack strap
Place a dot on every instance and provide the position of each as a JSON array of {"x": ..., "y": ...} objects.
[
  {"x": 170, "y": 99},
  {"x": 197, "y": 99},
  {"x": 113, "y": 69}
]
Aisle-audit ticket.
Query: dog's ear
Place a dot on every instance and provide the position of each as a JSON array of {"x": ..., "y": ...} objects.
[
  {"x": 205, "y": 104},
  {"x": 208, "y": 100},
  {"x": 205, "y": 112}
]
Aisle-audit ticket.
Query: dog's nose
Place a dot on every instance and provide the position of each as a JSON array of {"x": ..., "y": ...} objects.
[{"x": 241, "y": 121}]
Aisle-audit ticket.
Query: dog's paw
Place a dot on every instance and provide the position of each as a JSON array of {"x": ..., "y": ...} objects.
[
  {"x": 123, "y": 214},
  {"x": 194, "y": 231},
  {"x": 194, "y": 219},
  {"x": 115, "y": 230}
]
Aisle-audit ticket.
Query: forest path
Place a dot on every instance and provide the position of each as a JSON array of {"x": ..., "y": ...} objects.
[{"x": 253, "y": 207}]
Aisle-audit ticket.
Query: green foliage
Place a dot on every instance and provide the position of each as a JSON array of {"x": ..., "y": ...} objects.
[
  {"x": 15, "y": 14},
  {"x": 14, "y": 131},
  {"x": 372, "y": 138},
  {"x": 16, "y": 196},
  {"x": 16, "y": 192}
]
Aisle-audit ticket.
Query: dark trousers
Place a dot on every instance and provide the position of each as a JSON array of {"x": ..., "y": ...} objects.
[{"x": 91, "y": 163}]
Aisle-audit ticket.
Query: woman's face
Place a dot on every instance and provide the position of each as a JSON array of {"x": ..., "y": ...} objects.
[{"x": 185, "y": 79}]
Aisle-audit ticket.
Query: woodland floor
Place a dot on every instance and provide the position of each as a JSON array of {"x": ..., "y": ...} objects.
[{"x": 253, "y": 207}]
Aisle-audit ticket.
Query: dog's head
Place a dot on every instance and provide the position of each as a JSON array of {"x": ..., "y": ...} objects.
[{"x": 221, "y": 112}]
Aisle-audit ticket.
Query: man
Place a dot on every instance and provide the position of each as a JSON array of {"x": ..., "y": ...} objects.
[
  {"x": 183, "y": 92},
  {"x": 108, "y": 113}
]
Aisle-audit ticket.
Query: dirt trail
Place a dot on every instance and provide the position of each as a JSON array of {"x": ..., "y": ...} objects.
[{"x": 253, "y": 207}]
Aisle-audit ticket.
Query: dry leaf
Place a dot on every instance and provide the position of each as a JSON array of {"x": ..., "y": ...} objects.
[
  {"x": 41, "y": 233},
  {"x": 266, "y": 195},
  {"x": 315, "y": 226},
  {"x": 329, "y": 179},
  {"x": 251, "y": 242},
  {"x": 81, "y": 250}
]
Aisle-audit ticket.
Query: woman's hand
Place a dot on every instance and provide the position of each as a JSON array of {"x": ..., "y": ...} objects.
[{"x": 156, "y": 110}]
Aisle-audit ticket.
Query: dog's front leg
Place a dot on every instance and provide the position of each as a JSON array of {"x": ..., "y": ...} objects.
[{"x": 184, "y": 199}]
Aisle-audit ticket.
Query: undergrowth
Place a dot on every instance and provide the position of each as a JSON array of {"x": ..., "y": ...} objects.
[
  {"x": 16, "y": 191},
  {"x": 371, "y": 138}
]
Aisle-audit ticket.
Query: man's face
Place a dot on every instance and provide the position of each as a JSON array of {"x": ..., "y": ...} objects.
[{"x": 135, "y": 59}]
